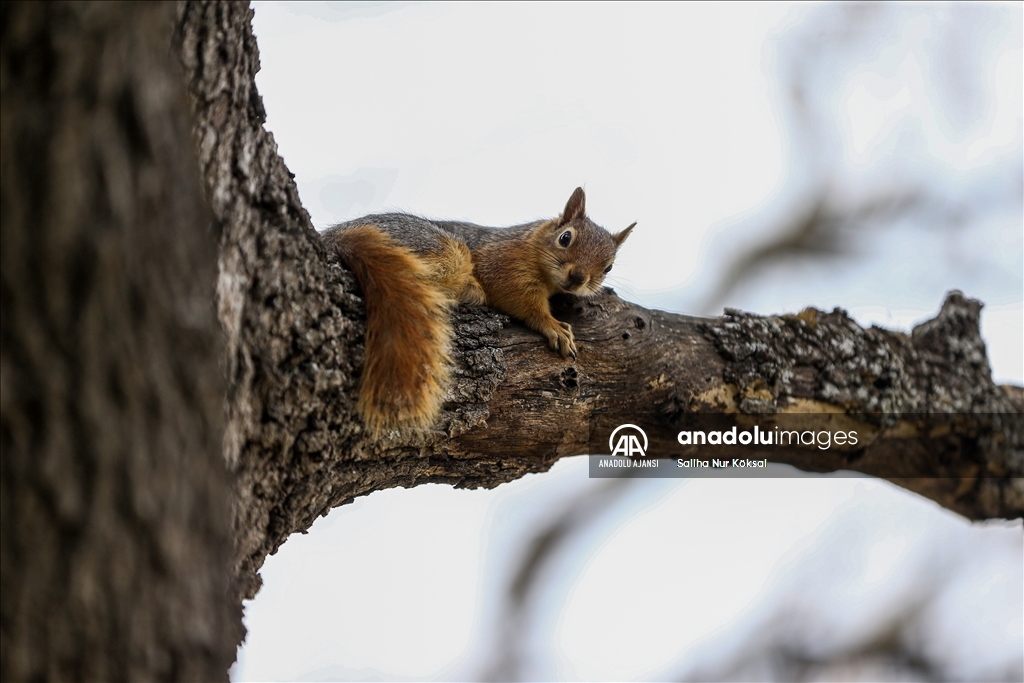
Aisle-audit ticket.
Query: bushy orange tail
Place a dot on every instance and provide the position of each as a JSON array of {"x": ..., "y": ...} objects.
[{"x": 405, "y": 371}]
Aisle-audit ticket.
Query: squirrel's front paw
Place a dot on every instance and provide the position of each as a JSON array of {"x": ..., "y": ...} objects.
[{"x": 560, "y": 338}]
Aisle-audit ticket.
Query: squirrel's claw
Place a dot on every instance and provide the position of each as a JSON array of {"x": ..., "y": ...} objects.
[{"x": 561, "y": 339}]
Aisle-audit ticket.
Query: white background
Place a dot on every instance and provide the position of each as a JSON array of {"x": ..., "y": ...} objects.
[{"x": 712, "y": 125}]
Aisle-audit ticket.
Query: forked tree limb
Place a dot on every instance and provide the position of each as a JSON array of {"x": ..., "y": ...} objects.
[{"x": 293, "y": 321}]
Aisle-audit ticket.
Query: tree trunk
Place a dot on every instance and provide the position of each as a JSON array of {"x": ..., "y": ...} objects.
[{"x": 115, "y": 545}]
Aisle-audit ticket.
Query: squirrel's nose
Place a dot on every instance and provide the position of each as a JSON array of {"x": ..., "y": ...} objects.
[{"x": 577, "y": 277}]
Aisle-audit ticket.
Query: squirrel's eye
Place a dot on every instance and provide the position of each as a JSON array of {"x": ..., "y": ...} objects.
[
  {"x": 565, "y": 238},
  {"x": 607, "y": 270}
]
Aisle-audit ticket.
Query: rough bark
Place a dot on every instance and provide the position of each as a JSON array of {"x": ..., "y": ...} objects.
[
  {"x": 293, "y": 320},
  {"x": 115, "y": 542}
]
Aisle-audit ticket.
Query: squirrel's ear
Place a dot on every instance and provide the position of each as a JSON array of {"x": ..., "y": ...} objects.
[
  {"x": 575, "y": 207},
  {"x": 620, "y": 237}
]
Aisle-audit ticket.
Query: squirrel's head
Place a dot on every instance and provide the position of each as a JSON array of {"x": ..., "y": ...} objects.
[{"x": 581, "y": 252}]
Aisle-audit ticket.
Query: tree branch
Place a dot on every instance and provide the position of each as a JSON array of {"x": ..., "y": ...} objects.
[{"x": 294, "y": 323}]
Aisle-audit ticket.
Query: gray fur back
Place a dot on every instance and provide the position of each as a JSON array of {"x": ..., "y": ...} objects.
[{"x": 423, "y": 235}]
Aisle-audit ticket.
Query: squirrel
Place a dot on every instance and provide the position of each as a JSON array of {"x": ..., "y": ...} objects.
[{"x": 412, "y": 270}]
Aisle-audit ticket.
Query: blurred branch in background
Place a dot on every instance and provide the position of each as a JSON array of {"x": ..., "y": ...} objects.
[
  {"x": 791, "y": 643},
  {"x": 581, "y": 512},
  {"x": 891, "y": 652},
  {"x": 888, "y": 110},
  {"x": 822, "y": 232}
]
